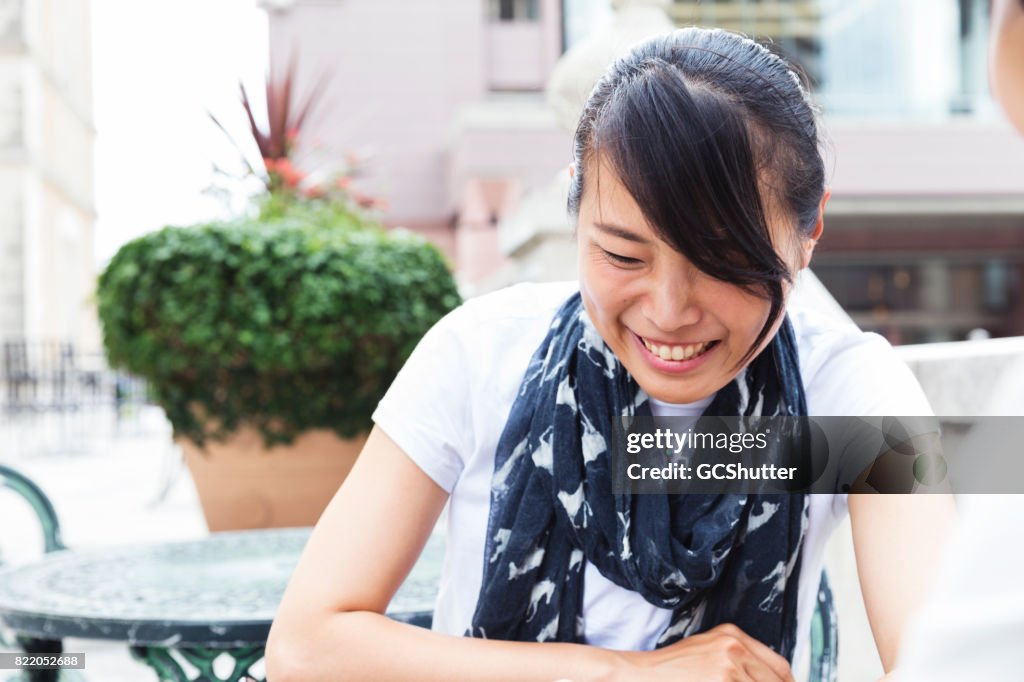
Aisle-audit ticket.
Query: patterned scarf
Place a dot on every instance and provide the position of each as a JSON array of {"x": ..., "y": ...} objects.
[{"x": 711, "y": 559}]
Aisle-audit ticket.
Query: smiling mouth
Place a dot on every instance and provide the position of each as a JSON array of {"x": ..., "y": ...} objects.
[{"x": 681, "y": 352}]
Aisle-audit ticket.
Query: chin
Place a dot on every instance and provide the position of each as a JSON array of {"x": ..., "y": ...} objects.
[
  {"x": 677, "y": 398},
  {"x": 664, "y": 391}
]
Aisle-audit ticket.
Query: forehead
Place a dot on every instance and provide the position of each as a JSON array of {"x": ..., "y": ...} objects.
[{"x": 606, "y": 199}]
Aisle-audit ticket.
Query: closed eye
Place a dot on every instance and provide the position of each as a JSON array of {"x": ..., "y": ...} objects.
[{"x": 624, "y": 260}]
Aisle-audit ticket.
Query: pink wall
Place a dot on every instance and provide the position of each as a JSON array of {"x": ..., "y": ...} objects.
[
  {"x": 955, "y": 159},
  {"x": 400, "y": 71},
  {"x": 521, "y": 54},
  {"x": 530, "y": 153},
  {"x": 516, "y": 55}
]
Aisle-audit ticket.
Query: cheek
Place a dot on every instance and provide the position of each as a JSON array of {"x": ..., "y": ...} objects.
[
  {"x": 602, "y": 282},
  {"x": 603, "y": 301},
  {"x": 742, "y": 313},
  {"x": 605, "y": 296}
]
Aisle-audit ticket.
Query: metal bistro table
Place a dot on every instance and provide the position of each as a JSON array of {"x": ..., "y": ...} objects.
[{"x": 196, "y": 599}]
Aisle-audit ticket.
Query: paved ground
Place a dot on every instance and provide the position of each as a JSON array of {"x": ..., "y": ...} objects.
[{"x": 113, "y": 482}]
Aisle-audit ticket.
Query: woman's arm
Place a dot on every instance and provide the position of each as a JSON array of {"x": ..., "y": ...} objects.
[
  {"x": 330, "y": 624},
  {"x": 898, "y": 541}
]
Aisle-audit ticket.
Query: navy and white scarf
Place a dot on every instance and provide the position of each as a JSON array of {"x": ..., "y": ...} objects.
[{"x": 712, "y": 559}]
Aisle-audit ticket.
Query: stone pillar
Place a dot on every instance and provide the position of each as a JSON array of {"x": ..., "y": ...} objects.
[
  {"x": 576, "y": 72},
  {"x": 538, "y": 235}
]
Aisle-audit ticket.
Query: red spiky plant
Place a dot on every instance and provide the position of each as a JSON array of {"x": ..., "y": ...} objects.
[
  {"x": 285, "y": 181},
  {"x": 285, "y": 117}
]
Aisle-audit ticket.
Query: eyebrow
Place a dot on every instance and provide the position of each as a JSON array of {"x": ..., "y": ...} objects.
[{"x": 621, "y": 233}]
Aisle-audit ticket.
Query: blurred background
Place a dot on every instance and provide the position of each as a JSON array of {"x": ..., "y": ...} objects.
[
  {"x": 105, "y": 136},
  {"x": 459, "y": 115}
]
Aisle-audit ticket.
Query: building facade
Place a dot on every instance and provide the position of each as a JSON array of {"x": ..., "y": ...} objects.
[
  {"x": 466, "y": 108},
  {"x": 47, "y": 214}
]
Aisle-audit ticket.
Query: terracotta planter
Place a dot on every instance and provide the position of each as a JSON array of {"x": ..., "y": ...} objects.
[{"x": 241, "y": 484}]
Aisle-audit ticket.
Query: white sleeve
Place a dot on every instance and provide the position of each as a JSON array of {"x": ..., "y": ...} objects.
[
  {"x": 863, "y": 376},
  {"x": 426, "y": 410}
]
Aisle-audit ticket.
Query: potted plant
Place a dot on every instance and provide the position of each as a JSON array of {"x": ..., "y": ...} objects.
[{"x": 269, "y": 339}]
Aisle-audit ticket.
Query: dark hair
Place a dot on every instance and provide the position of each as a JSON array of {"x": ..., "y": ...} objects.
[{"x": 696, "y": 123}]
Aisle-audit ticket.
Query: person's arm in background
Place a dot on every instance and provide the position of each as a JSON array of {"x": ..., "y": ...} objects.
[
  {"x": 973, "y": 626},
  {"x": 1006, "y": 58}
]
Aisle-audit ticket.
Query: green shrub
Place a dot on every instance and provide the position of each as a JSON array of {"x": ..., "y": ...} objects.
[{"x": 286, "y": 326}]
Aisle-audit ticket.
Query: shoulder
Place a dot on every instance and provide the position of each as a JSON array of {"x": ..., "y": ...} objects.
[
  {"x": 493, "y": 329},
  {"x": 850, "y": 372},
  {"x": 518, "y": 301},
  {"x": 497, "y": 333},
  {"x": 456, "y": 387},
  {"x": 508, "y": 316}
]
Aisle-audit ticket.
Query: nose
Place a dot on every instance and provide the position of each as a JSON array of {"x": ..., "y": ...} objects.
[{"x": 671, "y": 301}]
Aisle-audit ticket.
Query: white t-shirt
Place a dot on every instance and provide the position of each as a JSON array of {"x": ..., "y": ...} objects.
[{"x": 448, "y": 406}]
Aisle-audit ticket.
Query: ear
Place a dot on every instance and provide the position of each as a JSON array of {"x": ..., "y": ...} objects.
[
  {"x": 572, "y": 170},
  {"x": 807, "y": 250}
]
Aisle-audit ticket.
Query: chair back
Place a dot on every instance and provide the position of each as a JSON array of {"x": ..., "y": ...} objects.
[{"x": 40, "y": 503}]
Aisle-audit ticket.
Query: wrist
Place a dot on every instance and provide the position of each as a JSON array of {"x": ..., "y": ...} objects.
[{"x": 616, "y": 665}]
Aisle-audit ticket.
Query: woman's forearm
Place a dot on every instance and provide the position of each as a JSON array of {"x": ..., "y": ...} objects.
[
  {"x": 898, "y": 541},
  {"x": 363, "y": 645},
  {"x": 329, "y": 626}
]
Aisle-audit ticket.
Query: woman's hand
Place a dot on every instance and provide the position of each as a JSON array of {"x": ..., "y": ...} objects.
[
  {"x": 722, "y": 654},
  {"x": 330, "y": 624}
]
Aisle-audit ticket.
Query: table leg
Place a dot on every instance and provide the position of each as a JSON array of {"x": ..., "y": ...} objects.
[
  {"x": 31, "y": 645},
  {"x": 168, "y": 668}
]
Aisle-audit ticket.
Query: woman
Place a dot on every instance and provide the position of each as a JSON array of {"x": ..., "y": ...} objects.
[{"x": 698, "y": 192}]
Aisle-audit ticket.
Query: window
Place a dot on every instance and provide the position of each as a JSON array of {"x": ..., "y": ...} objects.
[
  {"x": 513, "y": 10},
  {"x": 919, "y": 300}
]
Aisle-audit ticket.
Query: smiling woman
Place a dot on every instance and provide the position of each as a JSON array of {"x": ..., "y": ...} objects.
[
  {"x": 662, "y": 316},
  {"x": 698, "y": 193}
]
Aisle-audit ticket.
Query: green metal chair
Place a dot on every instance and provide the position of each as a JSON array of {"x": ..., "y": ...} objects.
[
  {"x": 40, "y": 503},
  {"x": 52, "y": 542},
  {"x": 824, "y": 635}
]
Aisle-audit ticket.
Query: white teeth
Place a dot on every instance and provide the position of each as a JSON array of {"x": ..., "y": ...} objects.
[{"x": 677, "y": 352}]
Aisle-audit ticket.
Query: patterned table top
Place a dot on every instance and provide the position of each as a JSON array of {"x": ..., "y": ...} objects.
[{"x": 220, "y": 591}]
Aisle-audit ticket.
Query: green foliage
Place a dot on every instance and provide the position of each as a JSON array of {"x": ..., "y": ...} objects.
[
  {"x": 286, "y": 325},
  {"x": 331, "y": 211}
]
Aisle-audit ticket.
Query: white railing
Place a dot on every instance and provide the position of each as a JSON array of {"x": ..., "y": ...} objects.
[{"x": 964, "y": 379}]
